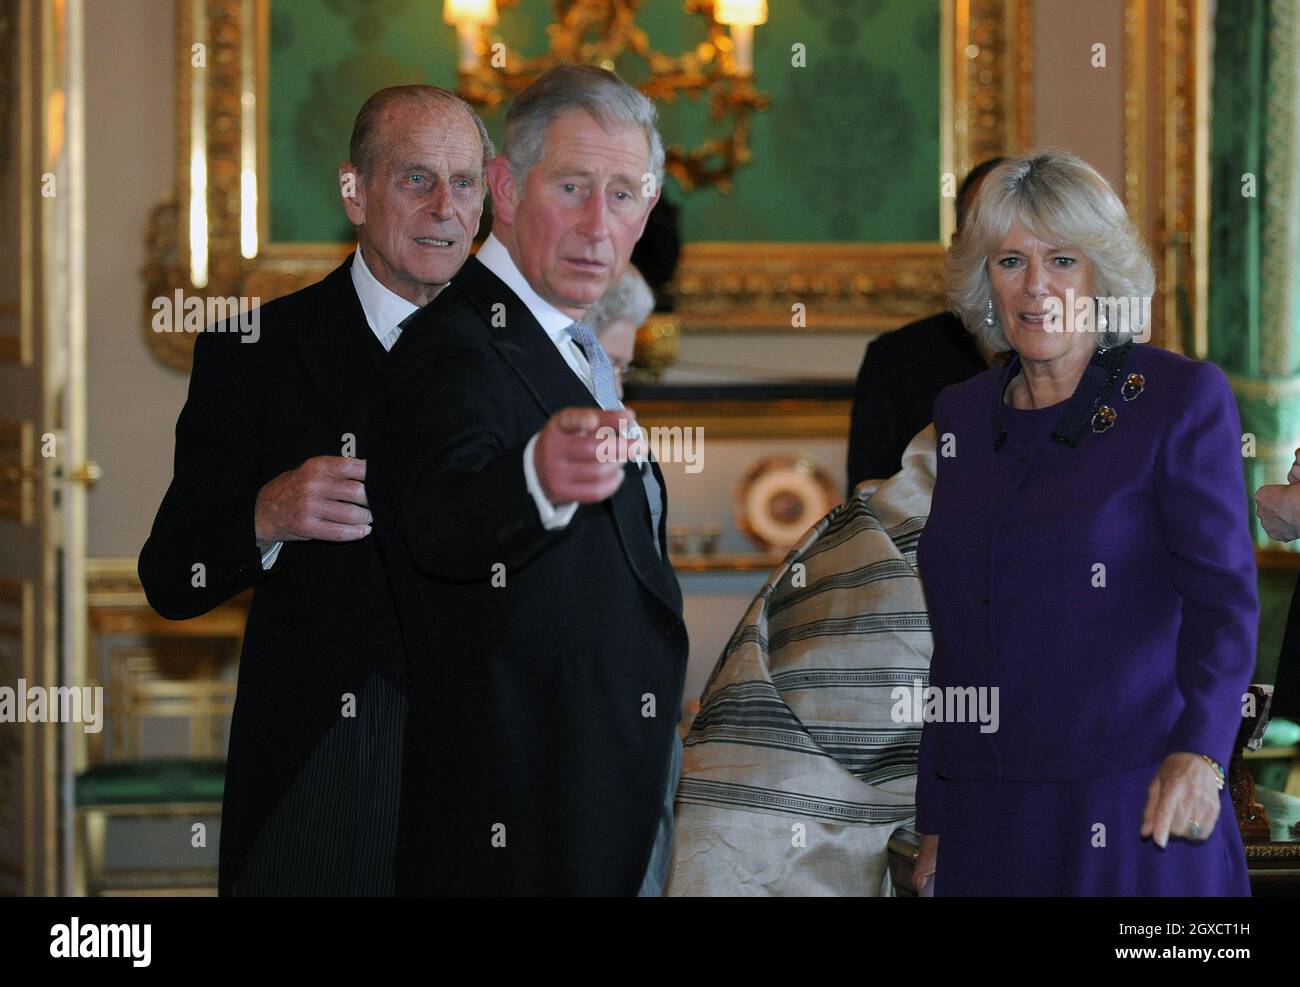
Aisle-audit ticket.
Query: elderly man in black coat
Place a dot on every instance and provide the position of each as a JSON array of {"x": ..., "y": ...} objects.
[
  {"x": 542, "y": 617},
  {"x": 271, "y": 491}
]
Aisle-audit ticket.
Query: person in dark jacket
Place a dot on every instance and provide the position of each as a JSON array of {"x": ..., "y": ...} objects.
[
  {"x": 903, "y": 372},
  {"x": 544, "y": 622}
]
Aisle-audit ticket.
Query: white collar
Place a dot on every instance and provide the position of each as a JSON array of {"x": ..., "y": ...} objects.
[
  {"x": 496, "y": 258},
  {"x": 384, "y": 308}
]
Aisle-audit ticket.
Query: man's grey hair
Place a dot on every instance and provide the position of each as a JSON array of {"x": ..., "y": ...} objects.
[
  {"x": 565, "y": 88},
  {"x": 1062, "y": 200},
  {"x": 367, "y": 143},
  {"x": 630, "y": 299}
]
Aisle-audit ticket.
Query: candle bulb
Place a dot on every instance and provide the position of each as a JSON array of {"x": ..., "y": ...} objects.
[
  {"x": 467, "y": 35},
  {"x": 741, "y": 16},
  {"x": 469, "y": 16},
  {"x": 742, "y": 38}
]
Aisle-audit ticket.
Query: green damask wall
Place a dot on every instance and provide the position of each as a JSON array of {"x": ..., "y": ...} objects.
[{"x": 848, "y": 151}]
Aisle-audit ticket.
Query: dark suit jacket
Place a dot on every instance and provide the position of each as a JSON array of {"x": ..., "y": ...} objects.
[
  {"x": 322, "y": 618},
  {"x": 1286, "y": 690},
  {"x": 901, "y": 375},
  {"x": 532, "y": 767}
]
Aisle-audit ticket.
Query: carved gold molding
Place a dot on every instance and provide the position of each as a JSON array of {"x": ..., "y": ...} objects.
[
  {"x": 993, "y": 92},
  {"x": 986, "y": 61},
  {"x": 1166, "y": 155},
  {"x": 112, "y": 581},
  {"x": 788, "y": 418},
  {"x": 812, "y": 287}
]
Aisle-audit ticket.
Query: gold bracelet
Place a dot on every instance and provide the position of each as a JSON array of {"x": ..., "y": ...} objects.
[{"x": 1218, "y": 771}]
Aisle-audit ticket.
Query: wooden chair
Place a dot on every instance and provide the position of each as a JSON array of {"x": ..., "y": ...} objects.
[{"x": 170, "y": 670}]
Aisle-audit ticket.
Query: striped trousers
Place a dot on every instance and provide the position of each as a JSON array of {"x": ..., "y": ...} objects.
[{"x": 335, "y": 831}]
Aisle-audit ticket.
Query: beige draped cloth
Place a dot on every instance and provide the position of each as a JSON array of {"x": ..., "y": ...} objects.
[{"x": 795, "y": 773}]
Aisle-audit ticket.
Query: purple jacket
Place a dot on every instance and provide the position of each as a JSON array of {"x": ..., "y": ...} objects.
[{"x": 1106, "y": 589}]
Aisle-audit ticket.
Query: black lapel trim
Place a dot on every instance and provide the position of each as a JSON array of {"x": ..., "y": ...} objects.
[
  {"x": 344, "y": 359},
  {"x": 1009, "y": 371},
  {"x": 1095, "y": 387},
  {"x": 522, "y": 341}
]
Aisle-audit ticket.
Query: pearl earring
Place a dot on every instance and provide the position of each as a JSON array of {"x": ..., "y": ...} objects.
[
  {"x": 988, "y": 314},
  {"x": 1103, "y": 323}
]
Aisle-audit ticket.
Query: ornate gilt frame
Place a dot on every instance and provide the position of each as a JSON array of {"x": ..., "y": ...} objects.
[
  {"x": 1166, "y": 158},
  {"x": 987, "y": 67}
]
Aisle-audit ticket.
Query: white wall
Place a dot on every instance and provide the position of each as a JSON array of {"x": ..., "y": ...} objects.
[{"x": 132, "y": 399}]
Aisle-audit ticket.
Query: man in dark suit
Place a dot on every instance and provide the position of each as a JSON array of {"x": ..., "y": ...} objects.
[
  {"x": 903, "y": 372},
  {"x": 270, "y": 491},
  {"x": 546, "y": 645}
]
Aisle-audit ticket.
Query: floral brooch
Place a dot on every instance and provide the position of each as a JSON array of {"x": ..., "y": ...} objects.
[
  {"x": 1133, "y": 387},
  {"x": 1104, "y": 417}
]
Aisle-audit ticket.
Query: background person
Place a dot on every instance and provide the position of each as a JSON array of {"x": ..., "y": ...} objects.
[
  {"x": 903, "y": 372},
  {"x": 615, "y": 319}
]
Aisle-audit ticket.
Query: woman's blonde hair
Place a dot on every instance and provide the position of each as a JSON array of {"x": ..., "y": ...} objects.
[{"x": 1062, "y": 200}]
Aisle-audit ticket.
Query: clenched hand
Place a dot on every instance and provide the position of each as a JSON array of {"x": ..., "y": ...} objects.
[{"x": 323, "y": 499}]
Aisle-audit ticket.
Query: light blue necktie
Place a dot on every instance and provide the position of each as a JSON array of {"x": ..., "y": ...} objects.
[
  {"x": 602, "y": 378},
  {"x": 602, "y": 371}
]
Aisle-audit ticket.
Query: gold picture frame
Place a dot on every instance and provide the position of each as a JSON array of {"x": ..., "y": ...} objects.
[
  {"x": 1166, "y": 159},
  {"x": 200, "y": 238}
]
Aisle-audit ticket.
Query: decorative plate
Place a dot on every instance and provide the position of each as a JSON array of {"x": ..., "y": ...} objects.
[{"x": 780, "y": 498}]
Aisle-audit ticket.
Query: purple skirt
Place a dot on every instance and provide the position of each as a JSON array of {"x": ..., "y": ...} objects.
[{"x": 1075, "y": 838}]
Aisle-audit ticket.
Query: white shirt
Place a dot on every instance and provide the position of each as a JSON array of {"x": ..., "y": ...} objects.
[{"x": 385, "y": 310}]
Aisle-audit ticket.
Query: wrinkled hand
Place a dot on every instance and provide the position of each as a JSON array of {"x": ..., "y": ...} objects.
[
  {"x": 923, "y": 871},
  {"x": 572, "y": 454},
  {"x": 1278, "y": 507},
  {"x": 323, "y": 499},
  {"x": 1184, "y": 790}
]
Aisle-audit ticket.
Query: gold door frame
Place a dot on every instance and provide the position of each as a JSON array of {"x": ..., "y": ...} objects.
[
  {"x": 221, "y": 117},
  {"x": 42, "y": 507}
]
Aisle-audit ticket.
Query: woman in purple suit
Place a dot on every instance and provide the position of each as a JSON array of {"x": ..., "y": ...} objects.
[{"x": 1088, "y": 568}]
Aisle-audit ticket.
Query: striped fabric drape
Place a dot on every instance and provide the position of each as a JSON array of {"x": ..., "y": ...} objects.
[{"x": 795, "y": 771}]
